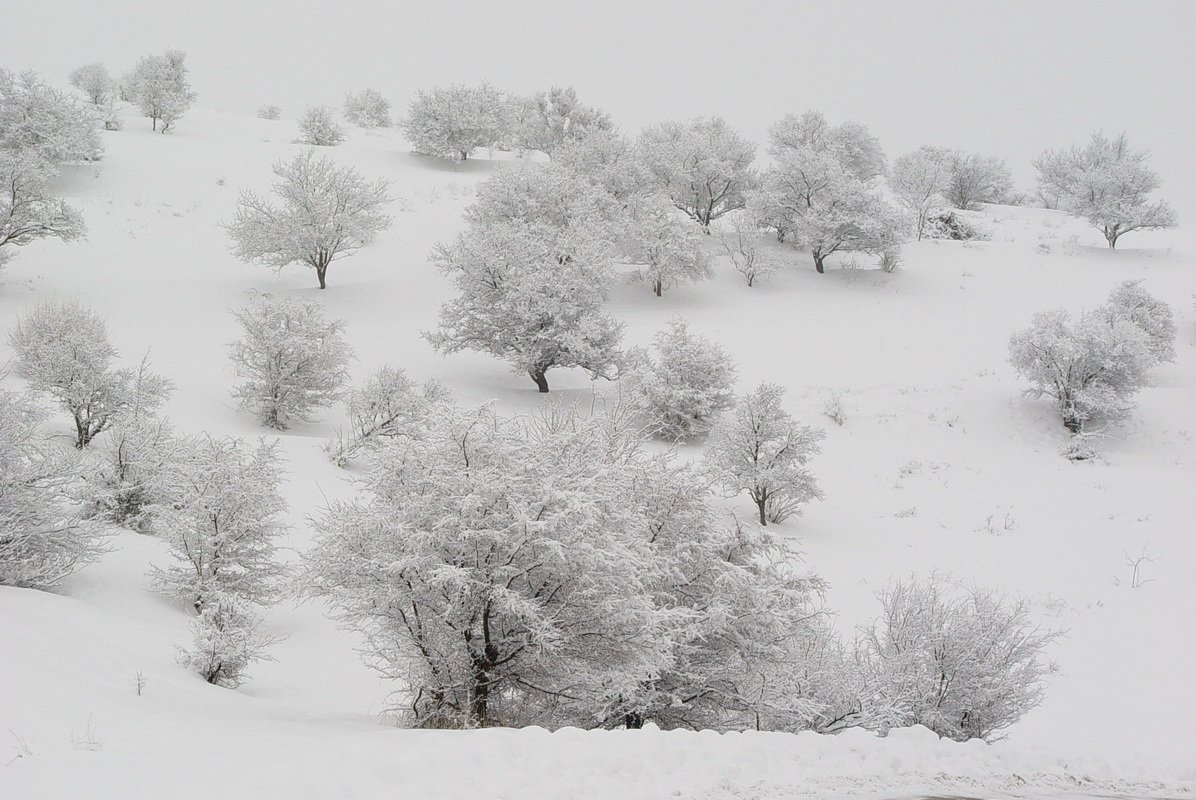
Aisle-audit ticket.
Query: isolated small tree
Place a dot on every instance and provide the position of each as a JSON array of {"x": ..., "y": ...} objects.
[
  {"x": 1149, "y": 313},
  {"x": 667, "y": 249},
  {"x": 688, "y": 384},
  {"x": 94, "y": 81},
  {"x": 63, "y": 349},
  {"x": 919, "y": 181},
  {"x": 966, "y": 665},
  {"x": 317, "y": 127},
  {"x": 159, "y": 87},
  {"x": 547, "y": 120},
  {"x": 386, "y": 406},
  {"x": 29, "y": 211},
  {"x": 742, "y": 242},
  {"x": 325, "y": 212},
  {"x": 294, "y": 360},
  {"x": 530, "y": 294},
  {"x": 227, "y": 637},
  {"x": 1107, "y": 183},
  {"x": 974, "y": 179},
  {"x": 368, "y": 109},
  {"x": 1091, "y": 368},
  {"x": 758, "y": 447},
  {"x": 451, "y": 122},
  {"x": 269, "y": 112},
  {"x": 223, "y": 523},
  {"x": 37, "y": 120},
  {"x": 42, "y": 540},
  {"x": 703, "y": 166}
]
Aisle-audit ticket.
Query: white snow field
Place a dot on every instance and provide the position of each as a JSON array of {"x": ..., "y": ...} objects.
[{"x": 941, "y": 464}]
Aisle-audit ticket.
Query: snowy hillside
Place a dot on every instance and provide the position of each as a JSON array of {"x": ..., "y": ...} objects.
[{"x": 940, "y": 464}]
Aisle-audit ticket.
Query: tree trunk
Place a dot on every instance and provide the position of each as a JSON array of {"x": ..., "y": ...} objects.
[
  {"x": 633, "y": 721},
  {"x": 761, "y": 503},
  {"x": 321, "y": 271},
  {"x": 541, "y": 381},
  {"x": 658, "y": 288},
  {"x": 155, "y": 121},
  {"x": 1111, "y": 237},
  {"x": 818, "y": 263}
]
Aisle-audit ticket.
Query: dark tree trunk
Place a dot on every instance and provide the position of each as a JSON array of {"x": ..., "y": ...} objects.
[
  {"x": 321, "y": 271},
  {"x": 818, "y": 265},
  {"x": 658, "y": 288},
  {"x": 540, "y": 379},
  {"x": 761, "y": 503},
  {"x": 633, "y": 721}
]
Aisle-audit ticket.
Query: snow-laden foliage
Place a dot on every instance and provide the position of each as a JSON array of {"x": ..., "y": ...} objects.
[
  {"x": 546, "y": 120},
  {"x": 609, "y": 161},
  {"x": 317, "y": 127},
  {"x": 665, "y": 248},
  {"x": 223, "y": 523},
  {"x": 28, "y": 209},
  {"x": 760, "y": 449},
  {"x": 953, "y": 225},
  {"x": 685, "y": 385},
  {"x": 269, "y": 112},
  {"x": 294, "y": 360},
  {"x": 94, "y": 81},
  {"x": 368, "y": 109},
  {"x": 386, "y": 406},
  {"x": 974, "y": 178},
  {"x": 124, "y": 483},
  {"x": 227, "y": 637},
  {"x": 966, "y": 665},
  {"x": 702, "y": 165},
  {"x": 741, "y": 239},
  {"x": 919, "y": 181},
  {"x": 1149, "y": 313},
  {"x": 852, "y": 144},
  {"x": 158, "y": 86},
  {"x": 38, "y": 120},
  {"x": 42, "y": 540},
  {"x": 550, "y": 194},
  {"x": 451, "y": 122},
  {"x": 1091, "y": 367},
  {"x": 532, "y": 294},
  {"x": 63, "y": 349},
  {"x": 1107, "y": 183},
  {"x": 323, "y": 212}
]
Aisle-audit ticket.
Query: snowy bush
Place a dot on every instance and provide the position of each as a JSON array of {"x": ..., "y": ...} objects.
[
  {"x": 948, "y": 224},
  {"x": 62, "y": 349},
  {"x": 547, "y": 120},
  {"x": 317, "y": 127},
  {"x": 974, "y": 179},
  {"x": 1091, "y": 368},
  {"x": 1107, "y": 183},
  {"x": 293, "y": 358},
  {"x": 741, "y": 241},
  {"x": 269, "y": 112},
  {"x": 28, "y": 210},
  {"x": 125, "y": 484},
  {"x": 227, "y": 638},
  {"x": 687, "y": 385},
  {"x": 40, "y": 122},
  {"x": 452, "y": 122},
  {"x": 759, "y": 448},
  {"x": 1149, "y": 313},
  {"x": 666, "y": 249},
  {"x": 159, "y": 87},
  {"x": 368, "y": 109},
  {"x": 966, "y": 666},
  {"x": 42, "y": 540},
  {"x": 531, "y": 294},
  {"x": 325, "y": 212},
  {"x": 94, "y": 81},
  {"x": 387, "y": 406},
  {"x": 223, "y": 523},
  {"x": 919, "y": 181},
  {"x": 702, "y": 165}
]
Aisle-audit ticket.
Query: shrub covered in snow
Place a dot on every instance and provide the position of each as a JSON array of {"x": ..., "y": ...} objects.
[
  {"x": 665, "y": 247},
  {"x": 125, "y": 480},
  {"x": 368, "y": 109},
  {"x": 227, "y": 637},
  {"x": 919, "y": 181},
  {"x": 269, "y": 112},
  {"x": 451, "y": 122},
  {"x": 974, "y": 179},
  {"x": 688, "y": 384},
  {"x": 159, "y": 87},
  {"x": 94, "y": 81},
  {"x": 387, "y": 406},
  {"x": 28, "y": 209},
  {"x": 38, "y": 122},
  {"x": 317, "y": 127},
  {"x": 294, "y": 360},
  {"x": 948, "y": 224},
  {"x": 741, "y": 239}
]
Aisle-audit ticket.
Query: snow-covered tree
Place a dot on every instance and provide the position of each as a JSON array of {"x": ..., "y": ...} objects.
[
  {"x": 124, "y": 484},
  {"x": 269, "y": 112},
  {"x": 974, "y": 179},
  {"x": 368, "y": 109},
  {"x": 451, "y": 122},
  {"x": 758, "y": 447},
  {"x": 666, "y": 249},
  {"x": 386, "y": 406},
  {"x": 94, "y": 81},
  {"x": 38, "y": 120},
  {"x": 531, "y": 294},
  {"x": 63, "y": 349},
  {"x": 702, "y": 165},
  {"x": 227, "y": 637},
  {"x": 1107, "y": 183},
  {"x": 491, "y": 569},
  {"x": 1149, "y": 313},
  {"x": 28, "y": 210},
  {"x": 294, "y": 360},
  {"x": 687, "y": 385},
  {"x": 159, "y": 87},
  {"x": 967, "y": 665},
  {"x": 325, "y": 212},
  {"x": 609, "y": 161},
  {"x": 317, "y": 127},
  {"x": 223, "y": 523},
  {"x": 547, "y": 120},
  {"x": 851, "y": 143},
  {"x": 741, "y": 241},
  {"x": 545, "y": 194},
  {"x": 1091, "y": 368},
  {"x": 42, "y": 540},
  {"x": 919, "y": 181}
]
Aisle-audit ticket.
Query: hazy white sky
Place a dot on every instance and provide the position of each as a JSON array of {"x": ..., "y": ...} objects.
[{"x": 1005, "y": 77}]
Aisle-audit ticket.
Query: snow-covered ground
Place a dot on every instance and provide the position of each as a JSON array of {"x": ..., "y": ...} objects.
[{"x": 939, "y": 465}]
